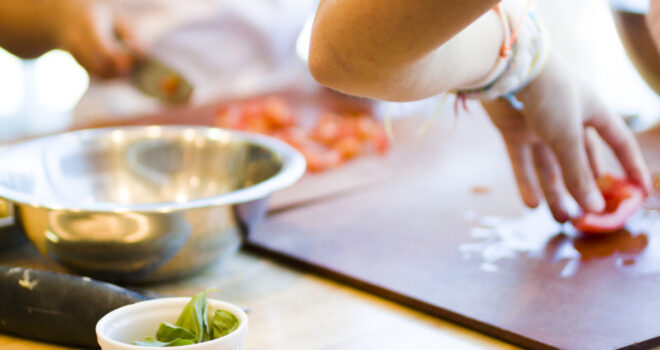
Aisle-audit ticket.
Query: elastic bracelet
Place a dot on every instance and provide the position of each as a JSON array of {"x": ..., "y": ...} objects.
[{"x": 522, "y": 57}]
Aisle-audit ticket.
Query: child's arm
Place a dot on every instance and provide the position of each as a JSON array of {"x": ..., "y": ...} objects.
[
  {"x": 89, "y": 29},
  {"x": 403, "y": 50},
  {"x": 653, "y": 22},
  {"x": 407, "y": 50}
]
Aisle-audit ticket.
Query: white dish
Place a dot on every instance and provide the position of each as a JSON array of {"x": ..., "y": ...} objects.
[{"x": 118, "y": 329}]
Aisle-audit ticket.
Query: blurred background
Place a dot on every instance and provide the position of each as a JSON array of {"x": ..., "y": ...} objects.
[{"x": 231, "y": 49}]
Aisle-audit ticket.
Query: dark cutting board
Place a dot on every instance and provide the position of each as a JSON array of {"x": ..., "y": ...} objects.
[{"x": 450, "y": 237}]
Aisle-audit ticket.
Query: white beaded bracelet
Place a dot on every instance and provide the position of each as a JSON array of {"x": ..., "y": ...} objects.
[{"x": 522, "y": 57}]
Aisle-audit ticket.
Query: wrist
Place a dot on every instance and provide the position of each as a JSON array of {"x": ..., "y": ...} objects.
[
  {"x": 534, "y": 88},
  {"x": 523, "y": 57}
]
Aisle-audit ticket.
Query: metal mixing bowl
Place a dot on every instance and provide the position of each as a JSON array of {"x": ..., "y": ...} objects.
[{"x": 139, "y": 204}]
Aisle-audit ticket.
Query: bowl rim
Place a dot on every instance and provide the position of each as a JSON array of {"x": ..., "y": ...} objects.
[
  {"x": 146, "y": 305},
  {"x": 293, "y": 168}
]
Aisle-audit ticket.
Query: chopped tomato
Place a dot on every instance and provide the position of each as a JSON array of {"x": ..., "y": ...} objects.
[
  {"x": 294, "y": 136},
  {"x": 334, "y": 139},
  {"x": 169, "y": 84},
  {"x": 278, "y": 113},
  {"x": 230, "y": 117},
  {"x": 328, "y": 129},
  {"x": 367, "y": 127},
  {"x": 622, "y": 199},
  {"x": 319, "y": 158},
  {"x": 349, "y": 147}
]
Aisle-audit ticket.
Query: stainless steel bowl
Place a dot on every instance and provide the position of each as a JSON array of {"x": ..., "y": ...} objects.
[{"x": 138, "y": 204}]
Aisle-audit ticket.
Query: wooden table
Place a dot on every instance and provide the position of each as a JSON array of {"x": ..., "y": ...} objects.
[{"x": 291, "y": 309}]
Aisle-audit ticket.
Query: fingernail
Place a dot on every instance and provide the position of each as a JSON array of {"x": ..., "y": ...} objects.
[
  {"x": 561, "y": 217},
  {"x": 595, "y": 202}
]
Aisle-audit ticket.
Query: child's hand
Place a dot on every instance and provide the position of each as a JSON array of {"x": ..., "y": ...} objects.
[
  {"x": 95, "y": 35},
  {"x": 548, "y": 140}
]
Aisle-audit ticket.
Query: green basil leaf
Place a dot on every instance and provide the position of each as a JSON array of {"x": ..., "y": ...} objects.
[
  {"x": 223, "y": 323},
  {"x": 168, "y": 332},
  {"x": 149, "y": 341},
  {"x": 194, "y": 317},
  {"x": 180, "y": 342}
]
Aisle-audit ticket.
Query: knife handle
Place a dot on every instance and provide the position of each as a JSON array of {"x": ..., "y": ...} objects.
[{"x": 56, "y": 307}]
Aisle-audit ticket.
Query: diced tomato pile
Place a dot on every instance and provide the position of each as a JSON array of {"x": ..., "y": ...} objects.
[
  {"x": 622, "y": 199},
  {"x": 333, "y": 140}
]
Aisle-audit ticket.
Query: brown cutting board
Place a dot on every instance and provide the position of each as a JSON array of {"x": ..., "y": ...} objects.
[{"x": 449, "y": 236}]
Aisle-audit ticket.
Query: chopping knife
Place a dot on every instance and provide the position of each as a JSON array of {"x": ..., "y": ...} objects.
[
  {"x": 155, "y": 78},
  {"x": 56, "y": 307}
]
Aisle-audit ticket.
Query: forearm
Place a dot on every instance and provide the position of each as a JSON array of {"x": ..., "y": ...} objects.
[
  {"x": 399, "y": 50},
  {"x": 25, "y": 26}
]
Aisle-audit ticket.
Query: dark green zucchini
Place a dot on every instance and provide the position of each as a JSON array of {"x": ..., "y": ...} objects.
[{"x": 56, "y": 307}]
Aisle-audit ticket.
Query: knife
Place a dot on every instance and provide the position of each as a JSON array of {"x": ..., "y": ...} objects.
[
  {"x": 156, "y": 79},
  {"x": 57, "y": 307}
]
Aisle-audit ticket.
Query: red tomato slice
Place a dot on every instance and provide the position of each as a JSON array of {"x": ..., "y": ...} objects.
[
  {"x": 278, "y": 113},
  {"x": 348, "y": 147},
  {"x": 333, "y": 139},
  {"x": 622, "y": 199},
  {"x": 169, "y": 84}
]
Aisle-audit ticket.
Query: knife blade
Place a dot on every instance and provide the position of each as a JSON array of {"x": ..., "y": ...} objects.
[{"x": 156, "y": 79}]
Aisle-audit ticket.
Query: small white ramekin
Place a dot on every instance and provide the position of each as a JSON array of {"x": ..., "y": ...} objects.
[{"x": 118, "y": 329}]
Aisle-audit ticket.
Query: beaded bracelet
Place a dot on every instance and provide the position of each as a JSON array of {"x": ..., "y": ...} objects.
[{"x": 522, "y": 57}]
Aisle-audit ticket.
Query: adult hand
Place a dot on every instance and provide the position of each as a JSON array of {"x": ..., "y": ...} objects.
[
  {"x": 98, "y": 37},
  {"x": 549, "y": 141}
]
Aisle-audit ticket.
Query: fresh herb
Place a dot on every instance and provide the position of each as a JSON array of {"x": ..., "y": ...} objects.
[
  {"x": 194, "y": 318},
  {"x": 192, "y": 326},
  {"x": 149, "y": 341},
  {"x": 223, "y": 323},
  {"x": 168, "y": 332}
]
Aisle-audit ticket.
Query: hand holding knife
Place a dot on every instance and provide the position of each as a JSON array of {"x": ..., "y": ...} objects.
[{"x": 156, "y": 79}]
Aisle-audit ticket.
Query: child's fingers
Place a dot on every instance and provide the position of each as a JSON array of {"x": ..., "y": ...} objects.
[
  {"x": 622, "y": 142},
  {"x": 549, "y": 176},
  {"x": 569, "y": 149},
  {"x": 523, "y": 170},
  {"x": 591, "y": 140}
]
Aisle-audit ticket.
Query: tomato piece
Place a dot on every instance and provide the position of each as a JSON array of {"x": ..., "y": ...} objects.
[
  {"x": 169, "y": 84},
  {"x": 230, "y": 117},
  {"x": 622, "y": 199},
  {"x": 294, "y": 136},
  {"x": 328, "y": 129},
  {"x": 367, "y": 127},
  {"x": 278, "y": 113},
  {"x": 348, "y": 147},
  {"x": 319, "y": 158},
  {"x": 333, "y": 139}
]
